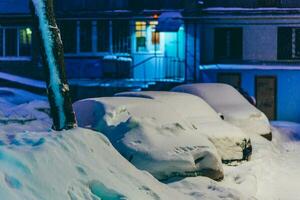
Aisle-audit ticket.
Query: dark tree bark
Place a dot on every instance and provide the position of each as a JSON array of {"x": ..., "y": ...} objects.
[{"x": 53, "y": 59}]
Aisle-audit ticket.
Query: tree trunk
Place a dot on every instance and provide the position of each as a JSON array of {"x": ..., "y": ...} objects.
[{"x": 53, "y": 59}]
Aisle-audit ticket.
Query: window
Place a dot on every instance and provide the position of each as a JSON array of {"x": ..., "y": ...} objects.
[
  {"x": 268, "y": 3},
  {"x": 141, "y": 33},
  {"x": 15, "y": 42},
  {"x": 288, "y": 43},
  {"x": 93, "y": 37},
  {"x": 147, "y": 39},
  {"x": 154, "y": 35},
  {"x": 85, "y": 36},
  {"x": 121, "y": 36},
  {"x": 228, "y": 43},
  {"x": 11, "y": 42},
  {"x": 25, "y": 35},
  {"x": 69, "y": 35},
  {"x": 1, "y": 42},
  {"x": 103, "y": 36}
]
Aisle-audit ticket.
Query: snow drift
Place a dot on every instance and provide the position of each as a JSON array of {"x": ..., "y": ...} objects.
[
  {"x": 152, "y": 136},
  {"x": 232, "y": 105},
  {"x": 77, "y": 164},
  {"x": 23, "y": 111},
  {"x": 230, "y": 141}
]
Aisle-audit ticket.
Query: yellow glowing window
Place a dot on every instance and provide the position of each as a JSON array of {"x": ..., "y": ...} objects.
[
  {"x": 25, "y": 40},
  {"x": 155, "y": 35},
  {"x": 140, "y": 34}
]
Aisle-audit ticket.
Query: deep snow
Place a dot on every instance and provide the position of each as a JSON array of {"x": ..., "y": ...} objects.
[{"x": 81, "y": 164}]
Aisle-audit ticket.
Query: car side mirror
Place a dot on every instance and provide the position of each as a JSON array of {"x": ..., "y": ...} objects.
[{"x": 221, "y": 116}]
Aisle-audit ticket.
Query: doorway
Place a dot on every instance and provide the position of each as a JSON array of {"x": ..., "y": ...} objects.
[{"x": 266, "y": 92}]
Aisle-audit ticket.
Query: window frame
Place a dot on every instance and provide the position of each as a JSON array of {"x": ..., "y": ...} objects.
[
  {"x": 288, "y": 52},
  {"x": 150, "y": 29},
  {"x": 17, "y": 57},
  {"x": 95, "y": 39},
  {"x": 229, "y": 47}
]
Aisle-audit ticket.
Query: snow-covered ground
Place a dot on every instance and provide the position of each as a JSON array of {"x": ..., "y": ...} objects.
[{"x": 36, "y": 163}]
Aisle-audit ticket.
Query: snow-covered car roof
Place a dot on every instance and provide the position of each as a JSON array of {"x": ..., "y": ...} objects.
[
  {"x": 189, "y": 106},
  {"x": 228, "y": 101}
]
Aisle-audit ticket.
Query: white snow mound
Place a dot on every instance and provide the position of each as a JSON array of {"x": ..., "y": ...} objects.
[
  {"x": 78, "y": 165},
  {"x": 152, "y": 136}
]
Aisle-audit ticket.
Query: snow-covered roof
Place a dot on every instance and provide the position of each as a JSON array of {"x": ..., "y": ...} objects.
[{"x": 247, "y": 11}]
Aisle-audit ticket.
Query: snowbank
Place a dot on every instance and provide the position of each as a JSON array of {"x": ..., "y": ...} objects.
[
  {"x": 17, "y": 96},
  {"x": 235, "y": 108},
  {"x": 77, "y": 164},
  {"x": 230, "y": 141},
  {"x": 23, "y": 111},
  {"x": 152, "y": 136}
]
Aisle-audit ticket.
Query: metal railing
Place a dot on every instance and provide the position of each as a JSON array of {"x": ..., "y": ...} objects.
[{"x": 160, "y": 68}]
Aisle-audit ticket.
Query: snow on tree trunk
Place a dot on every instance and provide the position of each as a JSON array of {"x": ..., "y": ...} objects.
[{"x": 53, "y": 58}]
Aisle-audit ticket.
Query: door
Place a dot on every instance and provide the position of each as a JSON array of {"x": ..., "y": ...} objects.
[{"x": 266, "y": 90}]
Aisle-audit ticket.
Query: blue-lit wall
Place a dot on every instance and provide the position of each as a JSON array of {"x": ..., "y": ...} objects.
[
  {"x": 288, "y": 85},
  {"x": 157, "y": 62}
]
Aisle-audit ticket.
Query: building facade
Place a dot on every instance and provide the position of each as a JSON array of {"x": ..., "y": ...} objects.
[
  {"x": 128, "y": 39},
  {"x": 254, "y": 46}
]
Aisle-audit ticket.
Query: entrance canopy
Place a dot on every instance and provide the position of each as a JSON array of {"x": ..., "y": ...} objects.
[{"x": 169, "y": 22}]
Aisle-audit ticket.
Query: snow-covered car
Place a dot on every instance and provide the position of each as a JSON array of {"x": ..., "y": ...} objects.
[
  {"x": 231, "y": 142},
  {"x": 232, "y": 105},
  {"x": 152, "y": 136}
]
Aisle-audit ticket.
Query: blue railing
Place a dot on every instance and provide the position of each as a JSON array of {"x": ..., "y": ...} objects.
[{"x": 160, "y": 68}]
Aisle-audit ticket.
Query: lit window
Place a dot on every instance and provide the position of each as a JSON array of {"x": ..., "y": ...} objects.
[
  {"x": 155, "y": 35},
  {"x": 15, "y": 42},
  {"x": 141, "y": 35},
  {"x": 25, "y": 38},
  {"x": 147, "y": 39}
]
